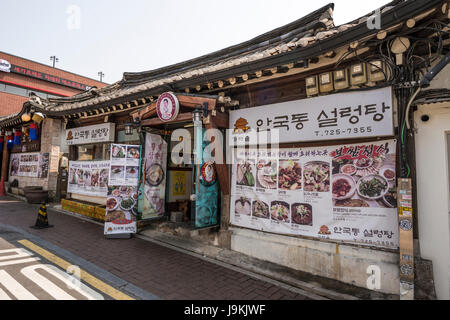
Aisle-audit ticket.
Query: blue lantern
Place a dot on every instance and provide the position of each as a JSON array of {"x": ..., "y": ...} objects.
[
  {"x": 33, "y": 131},
  {"x": 17, "y": 137}
]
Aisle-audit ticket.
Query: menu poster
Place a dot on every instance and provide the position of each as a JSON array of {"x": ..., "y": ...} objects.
[
  {"x": 29, "y": 165},
  {"x": 154, "y": 177},
  {"x": 88, "y": 178},
  {"x": 345, "y": 193},
  {"x": 124, "y": 164},
  {"x": 121, "y": 210},
  {"x": 44, "y": 164}
]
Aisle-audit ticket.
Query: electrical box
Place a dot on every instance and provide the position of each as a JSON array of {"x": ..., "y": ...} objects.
[
  {"x": 341, "y": 79},
  {"x": 312, "y": 86},
  {"x": 358, "y": 74},
  {"x": 326, "y": 82},
  {"x": 377, "y": 71}
]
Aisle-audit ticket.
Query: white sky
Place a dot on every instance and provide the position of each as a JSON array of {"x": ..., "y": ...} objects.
[{"x": 116, "y": 36}]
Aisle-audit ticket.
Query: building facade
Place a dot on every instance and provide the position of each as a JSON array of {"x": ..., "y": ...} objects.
[
  {"x": 341, "y": 195},
  {"x": 19, "y": 77}
]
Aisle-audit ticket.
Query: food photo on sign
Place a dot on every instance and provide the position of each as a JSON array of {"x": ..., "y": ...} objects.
[
  {"x": 364, "y": 180},
  {"x": 121, "y": 209},
  {"x": 345, "y": 192}
]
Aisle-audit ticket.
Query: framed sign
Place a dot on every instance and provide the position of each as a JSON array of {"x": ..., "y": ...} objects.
[
  {"x": 91, "y": 134},
  {"x": 339, "y": 116},
  {"x": 167, "y": 107}
]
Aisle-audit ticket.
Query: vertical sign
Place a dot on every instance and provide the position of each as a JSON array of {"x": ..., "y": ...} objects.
[
  {"x": 154, "y": 177},
  {"x": 405, "y": 212},
  {"x": 122, "y": 200}
]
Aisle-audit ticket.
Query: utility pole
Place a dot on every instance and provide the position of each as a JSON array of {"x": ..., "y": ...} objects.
[
  {"x": 54, "y": 59},
  {"x": 101, "y": 74}
]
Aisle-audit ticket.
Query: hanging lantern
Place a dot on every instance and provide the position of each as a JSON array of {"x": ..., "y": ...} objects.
[
  {"x": 2, "y": 141},
  {"x": 17, "y": 137},
  {"x": 9, "y": 140},
  {"x": 38, "y": 117},
  {"x": 26, "y": 117},
  {"x": 33, "y": 131}
]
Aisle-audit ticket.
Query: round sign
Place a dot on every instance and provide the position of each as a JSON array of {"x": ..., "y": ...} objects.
[
  {"x": 167, "y": 107},
  {"x": 208, "y": 172},
  {"x": 5, "y": 66}
]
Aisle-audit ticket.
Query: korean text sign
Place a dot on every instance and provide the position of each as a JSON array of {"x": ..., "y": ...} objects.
[
  {"x": 91, "y": 134},
  {"x": 345, "y": 193},
  {"x": 338, "y": 116}
]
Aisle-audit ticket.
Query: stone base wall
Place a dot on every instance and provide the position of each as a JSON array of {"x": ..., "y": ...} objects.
[{"x": 340, "y": 262}]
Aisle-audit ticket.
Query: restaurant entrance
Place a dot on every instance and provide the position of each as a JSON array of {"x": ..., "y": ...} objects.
[{"x": 179, "y": 180}]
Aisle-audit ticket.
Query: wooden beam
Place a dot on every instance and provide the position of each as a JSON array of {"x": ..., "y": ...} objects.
[
  {"x": 183, "y": 117},
  {"x": 195, "y": 102},
  {"x": 221, "y": 120}
]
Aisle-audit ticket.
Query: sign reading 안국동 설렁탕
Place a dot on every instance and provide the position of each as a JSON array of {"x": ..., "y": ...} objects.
[
  {"x": 334, "y": 117},
  {"x": 91, "y": 134}
]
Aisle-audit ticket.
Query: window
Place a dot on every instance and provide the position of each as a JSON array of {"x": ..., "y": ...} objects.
[
  {"x": 93, "y": 152},
  {"x": 16, "y": 90},
  {"x": 19, "y": 91},
  {"x": 131, "y": 139}
]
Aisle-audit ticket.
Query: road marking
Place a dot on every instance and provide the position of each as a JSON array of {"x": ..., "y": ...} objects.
[
  {"x": 86, "y": 277},
  {"x": 19, "y": 261},
  {"x": 14, "y": 287}
]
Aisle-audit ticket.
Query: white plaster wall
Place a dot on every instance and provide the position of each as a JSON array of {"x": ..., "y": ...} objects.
[
  {"x": 433, "y": 191},
  {"x": 341, "y": 262}
]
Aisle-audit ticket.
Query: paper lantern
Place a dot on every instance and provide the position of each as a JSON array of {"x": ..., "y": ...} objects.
[
  {"x": 17, "y": 137},
  {"x": 26, "y": 117},
  {"x": 33, "y": 131}
]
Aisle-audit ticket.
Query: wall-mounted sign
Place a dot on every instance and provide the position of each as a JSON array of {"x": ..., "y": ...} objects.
[
  {"x": 88, "y": 178},
  {"x": 91, "y": 134},
  {"x": 47, "y": 77},
  {"x": 5, "y": 66},
  {"x": 167, "y": 107},
  {"x": 343, "y": 192},
  {"x": 29, "y": 165},
  {"x": 339, "y": 116}
]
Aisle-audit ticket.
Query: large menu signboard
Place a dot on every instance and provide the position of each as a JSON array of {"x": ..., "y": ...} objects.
[
  {"x": 88, "y": 178},
  {"x": 345, "y": 193}
]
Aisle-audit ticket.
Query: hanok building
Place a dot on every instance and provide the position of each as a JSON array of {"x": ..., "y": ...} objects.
[{"x": 338, "y": 194}]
